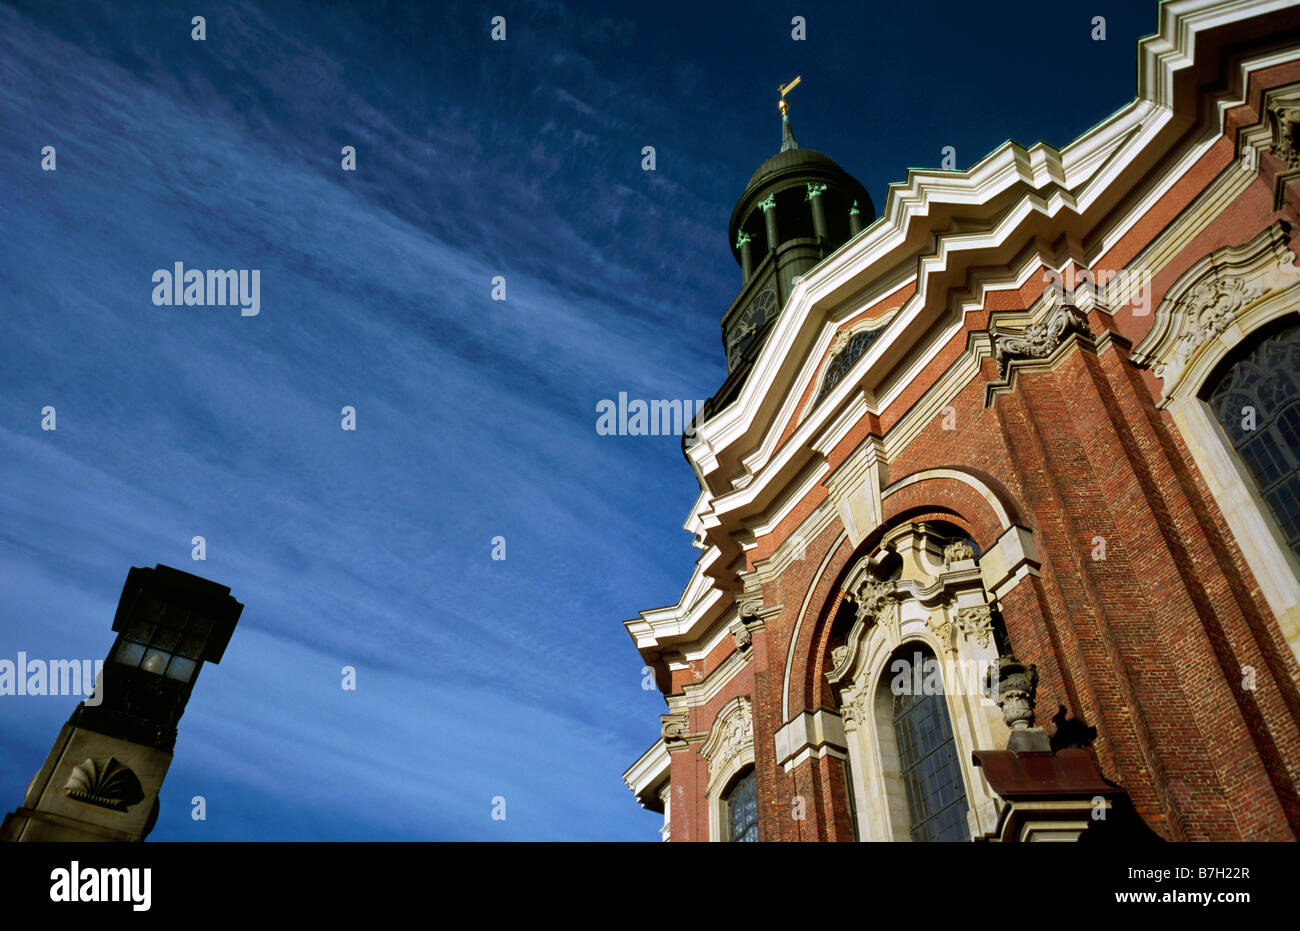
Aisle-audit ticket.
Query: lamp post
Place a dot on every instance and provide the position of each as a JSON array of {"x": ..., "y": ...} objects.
[{"x": 102, "y": 777}]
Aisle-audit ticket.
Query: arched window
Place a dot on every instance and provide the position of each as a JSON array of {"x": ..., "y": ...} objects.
[
  {"x": 741, "y": 801},
  {"x": 1257, "y": 402},
  {"x": 926, "y": 753},
  {"x": 843, "y": 360}
]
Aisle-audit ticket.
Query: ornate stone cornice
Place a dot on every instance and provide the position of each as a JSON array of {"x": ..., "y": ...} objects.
[
  {"x": 648, "y": 778},
  {"x": 1038, "y": 340},
  {"x": 1209, "y": 300}
]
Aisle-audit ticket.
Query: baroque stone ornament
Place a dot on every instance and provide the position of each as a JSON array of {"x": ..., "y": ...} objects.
[
  {"x": 674, "y": 728},
  {"x": 731, "y": 736},
  {"x": 976, "y": 623},
  {"x": 1283, "y": 121},
  {"x": 744, "y": 639},
  {"x": 104, "y": 782},
  {"x": 854, "y": 712},
  {"x": 1039, "y": 339},
  {"x": 837, "y": 656},
  {"x": 955, "y": 552},
  {"x": 1207, "y": 311},
  {"x": 941, "y": 627},
  {"x": 871, "y": 598},
  {"x": 1014, "y": 691}
]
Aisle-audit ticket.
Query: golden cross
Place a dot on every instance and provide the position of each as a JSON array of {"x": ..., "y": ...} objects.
[{"x": 786, "y": 89}]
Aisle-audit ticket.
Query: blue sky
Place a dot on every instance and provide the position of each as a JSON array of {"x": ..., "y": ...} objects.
[{"x": 475, "y": 418}]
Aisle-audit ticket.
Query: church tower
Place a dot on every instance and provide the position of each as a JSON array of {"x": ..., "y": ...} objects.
[
  {"x": 798, "y": 208},
  {"x": 101, "y": 780}
]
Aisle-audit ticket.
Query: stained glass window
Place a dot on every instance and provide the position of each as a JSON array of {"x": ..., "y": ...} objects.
[
  {"x": 742, "y": 808},
  {"x": 1257, "y": 402},
  {"x": 936, "y": 795},
  {"x": 843, "y": 360}
]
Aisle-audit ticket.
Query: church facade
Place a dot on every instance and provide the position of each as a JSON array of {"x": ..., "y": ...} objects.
[{"x": 999, "y": 511}]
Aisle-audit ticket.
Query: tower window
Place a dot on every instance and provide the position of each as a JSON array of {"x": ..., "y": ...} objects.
[
  {"x": 742, "y": 808},
  {"x": 1257, "y": 402}
]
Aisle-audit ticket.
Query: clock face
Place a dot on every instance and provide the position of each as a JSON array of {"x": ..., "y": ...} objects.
[{"x": 752, "y": 319}]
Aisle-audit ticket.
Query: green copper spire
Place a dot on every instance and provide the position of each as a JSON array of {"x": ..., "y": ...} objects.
[{"x": 787, "y": 134}]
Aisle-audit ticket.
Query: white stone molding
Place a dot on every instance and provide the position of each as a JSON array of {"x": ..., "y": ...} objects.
[
  {"x": 699, "y": 694},
  {"x": 649, "y": 774},
  {"x": 727, "y": 751},
  {"x": 855, "y": 488},
  {"x": 811, "y": 735},
  {"x": 648, "y": 778},
  {"x": 1008, "y": 561}
]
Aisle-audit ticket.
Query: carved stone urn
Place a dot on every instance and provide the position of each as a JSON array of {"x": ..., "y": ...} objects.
[{"x": 1014, "y": 691}]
